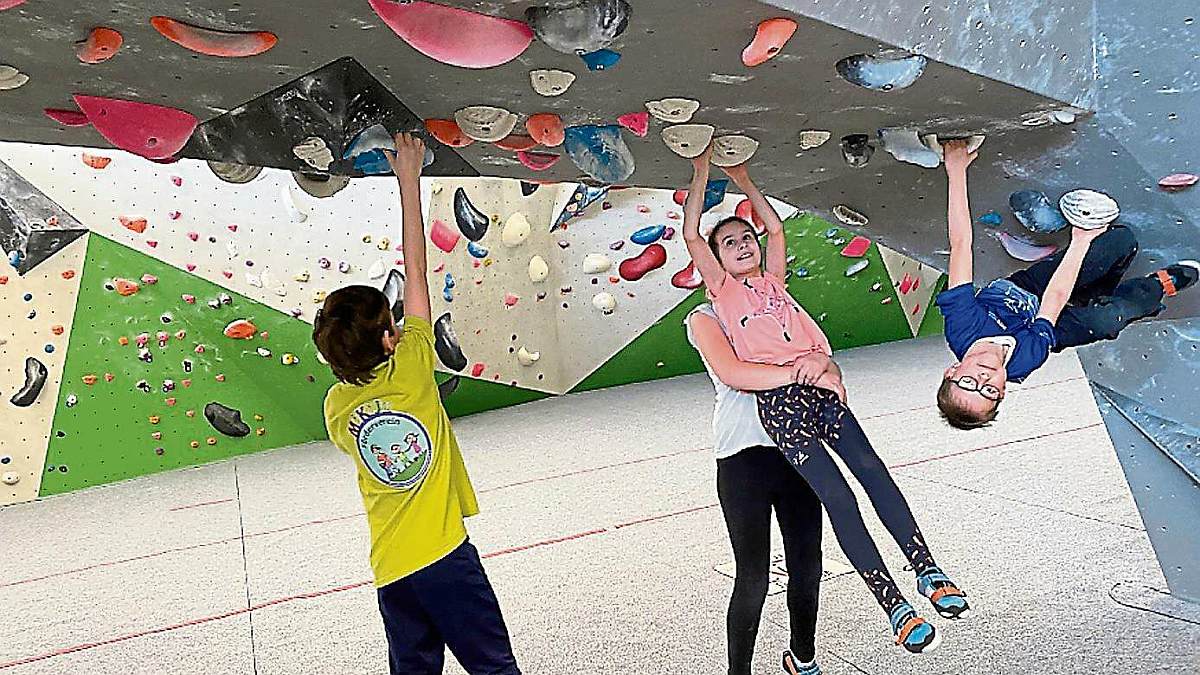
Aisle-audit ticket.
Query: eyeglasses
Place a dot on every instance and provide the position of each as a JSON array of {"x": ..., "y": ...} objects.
[{"x": 988, "y": 391}]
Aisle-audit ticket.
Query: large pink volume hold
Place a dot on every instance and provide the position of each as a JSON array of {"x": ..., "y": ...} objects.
[
  {"x": 152, "y": 131},
  {"x": 455, "y": 36}
]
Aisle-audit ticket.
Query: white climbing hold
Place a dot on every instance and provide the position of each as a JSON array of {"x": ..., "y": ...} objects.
[
  {"x": 849, "y": 216},
  {"x": 253, "y": 280},
  {"x": 526, "y": 357},
  {"x": 516, "y": 230},
  {"x": 11, "y": 78},
  {"x": 605, "y": 302},
  {"x": 289, "y": 202},
  {"x": 314, "y": 152},
  {"x": 1036, "y": 119},
  {"x": 857, "y": 267},
  {"x": 733, "y": 150},
  {"x": 1063, "y": 116},
  {"x": 688, "y": 140},
  {"x": 673, "y": 110},
  {"x": 485, "y": 122},
  {"x": 302, "y": 276},
  {"x": 377, "y": 270},
  {"x": 813, "y": 138},
  {"x": 596, "y": 263},
  {"x": 538, "y": 269},
  {"x": 550, "y": 82},
  {"x": 1088, "y": 209},
  {"x": 11, "y": 478},
  {"x": 905, "y": 146}
]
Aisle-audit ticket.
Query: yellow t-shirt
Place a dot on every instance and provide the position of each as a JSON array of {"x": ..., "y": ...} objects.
[{"x": 411, "y": 474}]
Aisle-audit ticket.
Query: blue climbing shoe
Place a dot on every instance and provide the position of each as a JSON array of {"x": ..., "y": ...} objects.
[
  {"x": 793, "y": 666},
  {"x": 912, "y": 632},
  {"x": 945, "y": 597}
]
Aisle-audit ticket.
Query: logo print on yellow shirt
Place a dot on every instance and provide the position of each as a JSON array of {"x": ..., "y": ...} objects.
[{"x": 394, "y": 447}]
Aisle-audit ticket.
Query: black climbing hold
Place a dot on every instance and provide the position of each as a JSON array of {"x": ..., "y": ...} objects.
[
  {"x": 445, "y": 343},
  {"x": 528, "y": 188},
  {"x": 857, "y": 149},
  {"x": 580, "y": 28},
  {"x": 226, "y": 420},
  {"x": 471, "y": 221},
  {"x": 35, "y": 379},
  {"x": 885, "y": 72},
  {"x": 393, "y": 288},
  {"x": 448, "y": 387}
]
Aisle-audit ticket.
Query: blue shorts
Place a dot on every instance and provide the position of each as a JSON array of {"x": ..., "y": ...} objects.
[{"x": 448, "y": 604}]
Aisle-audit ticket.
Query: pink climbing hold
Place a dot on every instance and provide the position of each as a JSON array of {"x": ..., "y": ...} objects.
[
  {"x": 152, "y": 131},
  {"x": 1178, "y": 181},
  {"x": 857, "y": 247},
  {"x": 906, "y": 284},
  {"x": 538, "y": 161},
  {"x": 637, "y": 122},
  {"x": 443, "y": 236},
  {"x": 687, "y": 278},
  {"x": 1023, "y": 249},
  {"x": 745, "y": 211},
  {"x": 510, "y": 299},
  {"x": 9, "y": 4},
  {"x": 770, "y": 37},
  {"x": 454, "y": 36},
  {"x": 67, "y": 118},
  {"x": 651, "y": 258}
]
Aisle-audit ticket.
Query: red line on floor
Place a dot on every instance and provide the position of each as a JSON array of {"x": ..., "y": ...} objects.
[
  {"x": 548, "y": 542},
  {"x": 196, "y": 506},
  {"x": 664, "y": 516},
  {"x": 994, "y": 445},
  {"x": 593, "y": 469}
]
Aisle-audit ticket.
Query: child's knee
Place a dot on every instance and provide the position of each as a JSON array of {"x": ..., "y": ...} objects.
[{"x": 1122, "y": 239}]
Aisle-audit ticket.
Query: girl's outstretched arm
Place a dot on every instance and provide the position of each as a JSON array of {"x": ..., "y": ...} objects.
[
  {"x": 406, "y": 164},
  {"x": 776, "y": 238},
  {"x": 702, "y": 256}
]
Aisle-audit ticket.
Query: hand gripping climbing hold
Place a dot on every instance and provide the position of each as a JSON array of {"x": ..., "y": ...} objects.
[
  {"x": 454, "y": 36},
  {"x": 35, "y": 379},
  {"x": 214, "y": 42},
  {"x": 445, "y": 344},
  {"x": 581, "y": 27},
  {"x": 101, "y": 45},
  {"x": 733, "y": 150},
  {"x": 472, "y": 222},
  {"x": 152, "y": 131},
  {"x": 226, "y": 420},
  {"x": 769, "y": 38},
  {"x": 1089, "y": 209},
  {"x": 688, "y": 140}
]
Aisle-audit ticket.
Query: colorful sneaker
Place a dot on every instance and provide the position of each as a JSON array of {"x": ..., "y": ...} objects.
[
  {"x": 792, "y": 666},
  {"x": 912, "y": 632},
  {"x": 945, "y": 597},
  {"x": 1175, "y": 278}
]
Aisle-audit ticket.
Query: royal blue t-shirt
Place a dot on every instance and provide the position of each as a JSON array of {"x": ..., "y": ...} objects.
[{"x": 1000, "y": 308}]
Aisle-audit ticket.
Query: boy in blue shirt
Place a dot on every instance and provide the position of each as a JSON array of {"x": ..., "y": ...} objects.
[{"x": 1006, "y": 330}]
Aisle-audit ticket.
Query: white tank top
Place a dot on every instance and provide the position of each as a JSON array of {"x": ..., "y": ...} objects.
[{"x": 735, "y": 416}]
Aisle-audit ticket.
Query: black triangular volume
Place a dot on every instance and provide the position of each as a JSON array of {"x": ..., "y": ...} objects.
[
  {"x": 32, "y": 227},
  {"x": 333, "y": 103}
]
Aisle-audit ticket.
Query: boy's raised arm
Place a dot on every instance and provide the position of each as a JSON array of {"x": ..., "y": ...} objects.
[
  {"x": 1062, "y": 282},
  {"x": 702, "y": 256},
  {"x": 406, "y": 163},
  {"x": 959, "y": 213},
  {"x": 776, "y": 239}
]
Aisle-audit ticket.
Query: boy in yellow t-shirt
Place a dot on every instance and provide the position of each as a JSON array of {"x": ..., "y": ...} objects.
[{"x": 385, "y": 412}]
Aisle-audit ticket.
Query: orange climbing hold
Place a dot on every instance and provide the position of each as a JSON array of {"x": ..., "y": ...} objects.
[
  {"x": 448, "y": 133},
  {"x": 125, "y": 287},
  {"x": 769, "y": 39},
  {"x": 240, "y": 329},
  {"x": 96, "y": 161},
  {"x": 101, "y": 45},
  {"x": 135, "y": 224},
  {"x": 516, "y": 142},
  {"x": 546, "y": 128},
  {"x": 214, "y": 42}
]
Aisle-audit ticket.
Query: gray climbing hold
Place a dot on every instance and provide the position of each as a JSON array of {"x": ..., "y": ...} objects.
[
  {"x": 813, "y": 138},
  {"x": 906, "y": 146},
  {"x": 320, "y": 185},
  {"x": 226, "y": 420},
  {"x": 393, "y": 289},
  {"x": 234, "y": 173},
  {"x": 445, "y": 343},
  {"x": 857, "y": 149},
  {"x": 35, "y": 378},
  {"x": 1035, "y": 211},
  {"x": 472, "y": 222},
  {"x": 580, "y": 28},
  {"x": 888, "y": 71},
  {"x": 858, "y": 267}
]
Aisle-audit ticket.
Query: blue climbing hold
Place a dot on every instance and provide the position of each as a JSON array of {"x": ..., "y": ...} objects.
[
  {"x": 991, "y": 218},
  {"x": 801, "y": 272},
  {"x": 476, "y": 250},
  {"x": 599, "y": 151},
  {"x": 714, "y": 193},
  {"x": 28, "y": 297},
  {"x": 831, "y": 232},
  {"x": 583, "y": 197},
  {"x": 449, "y": 280},
  {"x": 448, "y": 294},
  {"x": 648, "y": 235},
  {"x": 49, "y": 349},
  {"x": 1035, "y": 212},
  {"x": 885, "y": 72},
  {"x": 602, "y": 59},
  {"x": 14, "y": 258}
]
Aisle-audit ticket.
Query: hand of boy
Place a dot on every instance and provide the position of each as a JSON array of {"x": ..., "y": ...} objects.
[
  {"x": 1086, "y": 236},
  {"x": 407, "y": 160},
  {"x": 956, "y": 157}
]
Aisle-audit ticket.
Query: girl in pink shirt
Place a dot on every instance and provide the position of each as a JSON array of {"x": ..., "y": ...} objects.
[{"x": 766, "y": 325}]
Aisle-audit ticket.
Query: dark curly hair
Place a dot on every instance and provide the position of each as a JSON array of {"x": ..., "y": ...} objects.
[{"x": 348, "y": 332}]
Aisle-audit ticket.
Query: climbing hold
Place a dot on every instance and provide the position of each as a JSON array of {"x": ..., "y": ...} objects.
[
  {"x": 101, "y": 45},
  {"x": 1089, "y": 209},
  {"x": 67, "y": 118},
  {"x": 935, "y": 143},
  {"x": 600, "y": 60},
  {"x": 580, "y": 199},
  {"x": 1037, "y": 118},
  {"x": 648, "y": 235},
  {"x": 214, "y": 42},
  {"x": 314, "y": 152},
  {"x": 887, "y": 71},
  {"x": 673, "y": 110},
  {"x": 714, "y": 193},
  {"x": 471, "y": 221},
  {"x": 545, "y": 128},
  {"x": 813, "y": 138},
  {"x": 263, "y": 352},
  {"x": 454, "y": 36},
  {"x": 516, "y": 142},
  {"x": 240, "y": 329},
  {"x": 596, "y": 263},
  {"x": 1063, "y": 116},
  {"x": 600, "y": 152},
  {"x": 905, "y": 146},
  {"x": 95, "y": 161},
  {"x": 537, "y": 161},
  {"x": 375, "y": 271},
  {"x": 857, "y": 247},
  {"x": 849, "y": 216},
  {"x": 510, "y": 299},
  {"x": 11, "y": 477},
  {"x": 320, "y": 185},
  {"x": 72, "y": 400},
  {"x": 35, "y": 378},
  {"x": 448, "y": 133},
  {"x": 1023, "y": 249},
  {"x": 367, "y": 150},
  {"x": 9, "y": 4},
  {"x": 234, "y": 173},
  {"x": 770, "y": 37},
  {"x": 651, "y": 258},
  {"x": 538, "y": 269},
  {"x": 11, "y": 78},
  {"x": 226, "y": 420},
  {"x": 636, "y": 122},
  {"x": 134, "y": 224},
  {"x": 343, "y": 267},
  {"x": 687, "y": 278},
  {"x": 605, "y": 302},
  {"x": 581, "y": 27},
  {"x": 733, "y": 150},
  {"x": 151, "y": 131},
  {"x": 485, "y": 123},
  {"x": 442, "y": 236},
  {"x": 992, "y": 217},
  {"x": 857, "y": 149},
  {"x": 1178, "y": 181},
  {"x": 745, "y": 211},
  {"x": 1034, "y": 210},
  {"x": 858, "y": 267},
  {"x": 549, "y": 82},
  {"x": 688, "y": 140},
  {"x": 149, "y": 280},
  {"x": 526, "y": 357},
  {"x": 516, "y": 230},
  {"x": 445, "y": 343},
  {"x": 476, "y": 250},
  {"x": 125, "y": 287}
]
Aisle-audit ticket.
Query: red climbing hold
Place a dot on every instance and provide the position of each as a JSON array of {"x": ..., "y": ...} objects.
[
  {"x": 135, "y": 224},
  {"x": 9, "y": 4},
  {"x": 745, "y": 211},
  {"x": 477, "y": 369},
  {"x": 68, "y": 118},
  {"x": 637, "y": 122},
  {"x": 516, "y": 142},
  {"x": 538, "y": 161},
  {"x": 857, "y": 247},
  {"x": 1178, "y": 181},
  {"x": 651, "y": 258},
  {"x": 546, "y": 128},
  {"x": 125, "y": 287},
  {"x": 152, "y": 131},
  {"x": 214, "y": 42},
  {"x": 443, "y": 236},
  {"x": 95, "y": 161},
  {"x": 101, "y": 45},
  {"x": 687, "y": 278},
  {"x": 448, "y": 133},
  {"x": 454, "y": 36},
  {"x": 769, "y": 38},
  {"x": 240, "y": 329}
]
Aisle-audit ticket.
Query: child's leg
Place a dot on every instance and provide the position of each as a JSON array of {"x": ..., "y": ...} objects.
[
  {"x": 414, "y": 644},
  {"x": 1103, "y": 266},
  {"x": 1105, "y": 318}
]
